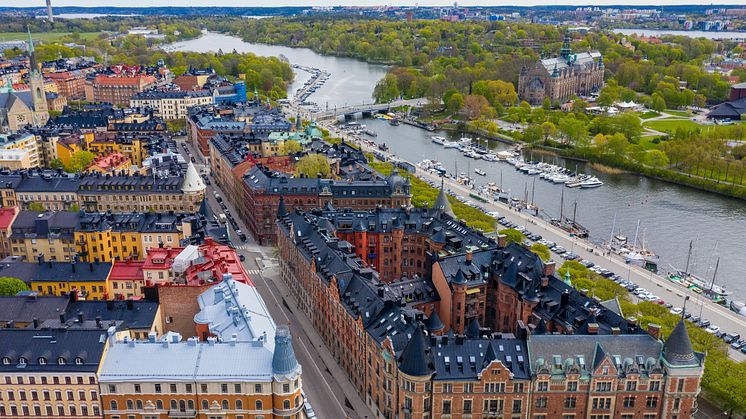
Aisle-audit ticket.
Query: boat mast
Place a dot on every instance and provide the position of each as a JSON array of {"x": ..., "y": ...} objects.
[
  {"x": 533, "y": 190},
  {"x": 501, "y": 180},
  {"x": 688, "y": 258},
  {"x": 574, "y": 212},
  {"x": 637, "y": 230},
  {"x": 562, "y": 203},
  {"x": 613, "y": 226},
  {"x": 714, "y": 274}
]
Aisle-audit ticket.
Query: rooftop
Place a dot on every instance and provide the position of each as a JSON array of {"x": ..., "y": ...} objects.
[{"x": 56, "y": 351}]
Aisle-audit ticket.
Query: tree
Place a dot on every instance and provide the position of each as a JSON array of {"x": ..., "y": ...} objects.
[
  {"x": 290, "y": 147},
  {"x": 313, "y": 165},
  {"x": 56, "y": 164},
  {"x": 11, "y": 286},
  {"x": 542, "y": 251},
  {"x": 475, "y": 106},
  {"x": 455, "y": 102},
  {"x": 550, "y": 130},
  {"x": 659, "y": 103},
  {"x": 656, "y": 158},
  {"x": 74, "y": 208},
  {"x": 513, "y": 235},
  {"x": 35, "y": 206},
  {"x": 79, "y": 161}
]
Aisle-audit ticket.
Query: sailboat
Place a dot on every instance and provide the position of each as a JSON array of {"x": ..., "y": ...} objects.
[
  {"x": 700, "y": 285},
  {"x": 570, "y": 225}
]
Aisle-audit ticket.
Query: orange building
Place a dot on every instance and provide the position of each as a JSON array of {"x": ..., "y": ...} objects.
[
  {"x": 114, "y": 162},
  {"x": 116, "y": 90}
]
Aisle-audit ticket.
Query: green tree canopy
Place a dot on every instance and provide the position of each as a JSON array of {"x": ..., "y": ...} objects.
[
  {"x": 79, "y": 161},
  {"x": 512, "y": 235},
  {"x": 11, "y": 286},
  {"x": 291, "y": 147},
  {"x": 542, "y": 251},
  {"x": 313, "y": 165}
]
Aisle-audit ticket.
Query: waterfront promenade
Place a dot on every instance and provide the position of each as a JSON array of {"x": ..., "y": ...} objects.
[{"x": 660, "y": 286}]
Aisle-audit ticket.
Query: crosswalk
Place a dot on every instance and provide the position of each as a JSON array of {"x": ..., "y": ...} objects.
[{"x": 254, "y": 271}]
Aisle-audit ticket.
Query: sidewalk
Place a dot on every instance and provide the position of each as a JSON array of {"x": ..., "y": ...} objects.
[{"x": 352, "y": 398}]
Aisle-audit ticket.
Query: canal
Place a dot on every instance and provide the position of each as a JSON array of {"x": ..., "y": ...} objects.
[{"x": 670, "y": 215}]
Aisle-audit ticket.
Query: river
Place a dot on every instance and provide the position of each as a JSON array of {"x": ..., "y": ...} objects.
[
  {"x": 692, "y": 34},
  {"x": 671, "y": 216}
]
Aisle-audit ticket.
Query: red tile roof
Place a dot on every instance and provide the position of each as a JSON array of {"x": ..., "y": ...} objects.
[
  {"x": 217, "y": 259},
  {"x": 161, "y": 257},
  {"x": 126, "y": 270},
  {"x": 7, "y": 215}
]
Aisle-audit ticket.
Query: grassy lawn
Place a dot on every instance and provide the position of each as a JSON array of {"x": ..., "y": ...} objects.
[
  {"x": 676, "y": 112},
  {"x": 44, "y": 37},
  {"x": 648, "y": 114},
  {"x": 670, "y": 125},
  {"x": 647, "y": 143}
]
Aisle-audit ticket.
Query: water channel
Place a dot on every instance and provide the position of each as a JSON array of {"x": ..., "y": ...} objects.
[{"x": 671, "y": 216}]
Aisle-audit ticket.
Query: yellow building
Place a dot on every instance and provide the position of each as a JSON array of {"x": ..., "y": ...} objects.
[
  {"x": 19, "y": 151},
  {"x": 104, "y": 144},
  {"x": 51, "y": 373},
  {"x": 86, "y": 280},
  {"x": 107, "y": 237},
  {"x": 50, "y": 234}
]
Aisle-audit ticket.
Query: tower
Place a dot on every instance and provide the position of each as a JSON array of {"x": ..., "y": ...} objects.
[
  {"x": 684, "y": 369},
  {"x": 566, "y": 51},
  {"x": 50, "y": 16},
  {"x": 40, "y": 113}
]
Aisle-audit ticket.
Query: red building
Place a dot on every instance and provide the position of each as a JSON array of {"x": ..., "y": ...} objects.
[
  {"x": 71, "y": 84},
  {"x": 116, "y": 90}
]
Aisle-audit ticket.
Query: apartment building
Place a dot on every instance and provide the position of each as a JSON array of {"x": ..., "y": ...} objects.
[
  {"x": 171, "y": 105},
  {"x": 117, "y": 90}
]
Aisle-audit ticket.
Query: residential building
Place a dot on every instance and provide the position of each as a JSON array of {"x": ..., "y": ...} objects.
[
  {"x": 117, "y": 90},
  {"x": 126, "y": 280},
  {"x": 558, "y": 79},
  {"x": 29, "y": 310},
  {"x": 110, "y": 164},
  {"x": 7, "y": 216},
  {"x": 51, "y": 373},
  {"x": 132, "y": 146},
  {"x": 171, "y": 105},
  {"x": 250, "y": 373},
  {"x": 548, "y": 349},
  {"x": 44, "y": 233},
  {"x": 71, "y": 84},
  {"x": 19, "y": 151}
]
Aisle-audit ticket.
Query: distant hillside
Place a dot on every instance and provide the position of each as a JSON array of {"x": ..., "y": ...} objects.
[{"x": 173, "y": 11}]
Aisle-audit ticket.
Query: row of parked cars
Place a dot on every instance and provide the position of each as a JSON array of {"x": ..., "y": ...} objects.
[{"x": 229, "y": 217}]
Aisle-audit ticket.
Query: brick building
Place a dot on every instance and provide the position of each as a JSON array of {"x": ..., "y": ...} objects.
[
  {"x": 549, "y": 350},
  {"x": 116, "y": 90},
  {"x": 71, "y": 84},
  {"x": 558, "y": 79}
]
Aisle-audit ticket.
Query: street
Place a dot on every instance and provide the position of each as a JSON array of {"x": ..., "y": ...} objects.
[{"x": 326, "y": 386}]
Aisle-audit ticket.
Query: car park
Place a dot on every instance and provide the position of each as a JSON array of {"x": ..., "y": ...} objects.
[
  {"x": 731, "y": 337},
  {"x": 738, "y": 344},
  {"x": 694, "y": 319},
  {"x": 703, "y": 323},
  {"x": 676, "y": 310},
  {"x": 712, "y": 329}
]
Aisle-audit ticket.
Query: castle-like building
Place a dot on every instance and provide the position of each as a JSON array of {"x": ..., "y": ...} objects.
[
  {"x": 19, "y": 109},
  {"x": 559, "y": 78}
]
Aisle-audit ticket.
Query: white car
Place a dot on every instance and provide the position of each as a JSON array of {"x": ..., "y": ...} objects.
[
  {"x": 676, "y": 310},
  {"x": 712, "y": 329}
]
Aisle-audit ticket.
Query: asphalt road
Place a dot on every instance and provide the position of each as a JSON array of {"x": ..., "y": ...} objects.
[
  {"x": 662, "y": 287},
  {"x": 326, "y": 386}
]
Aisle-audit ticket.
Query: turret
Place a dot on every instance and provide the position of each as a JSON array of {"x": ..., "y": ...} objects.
[
  {"x": 441, "y": 202},
  {"x": 284, "y": 364}
]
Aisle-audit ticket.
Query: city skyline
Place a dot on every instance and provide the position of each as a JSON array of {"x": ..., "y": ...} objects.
[{"x": 309, "y": 3}]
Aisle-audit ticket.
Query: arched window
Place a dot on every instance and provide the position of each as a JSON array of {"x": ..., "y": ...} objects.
[
  {"x": 239, "y": 404},
  {"x": 139, "y": 404},
  {"x": 130, "y": 405},
  {"x": 286, "y": 404},
  {"x": 159, "y": 404},
  {"x": 73, "y": 410},
  {"x": 225, "y": 405},
  {"x": 190, "y": 404},
  {"x": 258, "y": 405},
  {"x": 113, "y": 405},
  {"x": 173, "y": 404},
  {"x": 205, "y": 405},
  {"x": 182, "y": 406}
]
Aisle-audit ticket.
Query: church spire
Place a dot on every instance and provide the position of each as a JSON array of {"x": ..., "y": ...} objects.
[
  {"x": 566, "y": 49},
  {"x": 31, "y": 53}
]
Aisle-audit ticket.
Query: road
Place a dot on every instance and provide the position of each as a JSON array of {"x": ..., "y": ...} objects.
[
  {"x": 662, "y": 287},
  {"x": 326, "y": 386}
]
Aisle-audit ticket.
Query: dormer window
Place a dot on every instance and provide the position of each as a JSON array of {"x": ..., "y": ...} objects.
[
  {"x": 78, "y": 361},
  {"x": 42, "y": 361},
  {"x": 6, "y": 360},
  {"x": 22, "y": 361},
  {"x": 60, "y": 361}
]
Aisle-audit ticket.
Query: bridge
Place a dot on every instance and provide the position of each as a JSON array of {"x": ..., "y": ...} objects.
[{"x": 367, "y": 108}]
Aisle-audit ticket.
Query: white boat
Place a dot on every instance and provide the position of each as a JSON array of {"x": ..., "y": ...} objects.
[
  {"x": 490, "y": 157},
  {"x": 480, "y": 172},
  {"x": 438, "y": 140},
  {"x": 591, "y": 182},
  {"x": 450, "y": 144},
  {"x": 505, "y": 155}
]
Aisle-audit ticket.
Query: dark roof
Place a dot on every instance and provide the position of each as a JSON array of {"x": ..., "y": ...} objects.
[
  {"x": 132, "y": 314},
  {"x": 464, "y": 358},
  {"x": 473, "y": 329},
  {"x": 731, "y": 109},
  {"x": 434, "y": 324},
  {"x": 80, "y": 350},
  {"x": 26, "y": 308},
  {"x": 678, "y": 350},
  {"x": 55, "y": 271},
  {"x": 415, "y": 359}
]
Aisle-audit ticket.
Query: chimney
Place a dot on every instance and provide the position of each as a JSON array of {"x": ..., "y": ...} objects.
[
  {"x": 36, "y": 322},
  {"x": 592, "y": 328},
  {"x": 72, "y": 265},
  {"x": 564, "y": 298},
  {"x": 549, "y": 268},
  {"x": 80, "y": 316},
  {"x": 62, "y": 317},
  {"x": 654, "y": 330},
  {"x": 469, "y": 256},
  {"x": 98, "y": 322},
  {"x": 616, "y": 331},
  {"x": 632, "y": 321},
  {"x": 502, "y": 240},
  {"x": 90, "y": 266}
]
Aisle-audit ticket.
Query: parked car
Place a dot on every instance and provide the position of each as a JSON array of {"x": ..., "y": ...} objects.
[
  {"x": 676, "y": 310},
  {"x": 704, "y": 323},
  {"x": 712, "y": 329}
]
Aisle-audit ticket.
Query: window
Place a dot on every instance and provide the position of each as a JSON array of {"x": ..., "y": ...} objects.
[
  {"x": 172, "y": 388},
  {"x": 602, "y": 402},
  {"x": 676, "y": 404},
  {"x": 137, "y": 388},
  {"x": 286, "y": 404},
  {"x": 467, "y": 406},
  {"x": 541, "y": 402},
  {"x": 257, "y": 388},
  {"x": 517, "y": 387},
  {"x": 286, "y": 388},
  {"x": 157, "y": 388},
  {"x": 517, "y": 406},
  {"x": 225, "y": 405},
  {"x": 239, "y": 404},
  {"x": 629, "y": 401},
  {"x": 468, "y": 388},
  {"x": 572, "y": 386},
  {"x": 113, "y": 405},
  {"x": 224, "y": 388},
  {"x": 258, "y": 405},
  {"x": 237, "y": 388},
  {"x": 130, "y": 405},
  {"x": 542, "y": 386},
  {"x": 631, "y": 385},
  {"x": 112, "y": 388},
  {"x": 651, "y": 402},
  {"x": 447, "y": 388},
  {"x": 446, "y": 406},
  {"x": 570, "y": 402},
  {"x": 655, "y": 386},
  {"x": 203, "y": 388},
  {"x": 604, "y": 386},
  {"x": 680, "y": 386}
]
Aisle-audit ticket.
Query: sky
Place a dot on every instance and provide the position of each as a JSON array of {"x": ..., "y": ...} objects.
[{"x": 260, "y": 3}]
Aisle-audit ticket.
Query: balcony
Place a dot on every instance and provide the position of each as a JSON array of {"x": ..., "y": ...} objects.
[
  {"x": 287, "y": 412},
  {"x": 189, "y": 413}
]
